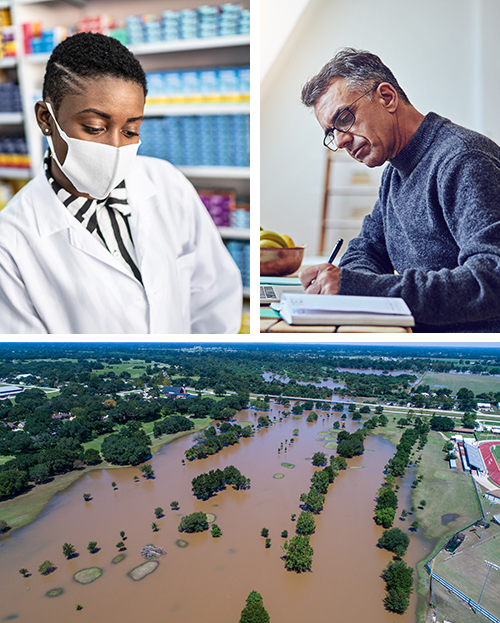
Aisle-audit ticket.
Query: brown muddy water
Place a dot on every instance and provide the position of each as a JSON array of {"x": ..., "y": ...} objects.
[{"x": 210, "y": 579}]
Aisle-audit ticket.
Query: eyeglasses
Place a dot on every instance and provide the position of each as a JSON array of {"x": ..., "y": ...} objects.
[{"x": 343, "y": 123}]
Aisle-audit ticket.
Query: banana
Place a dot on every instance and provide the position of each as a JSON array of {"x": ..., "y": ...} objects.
[
  {"x": 289, "y": 241},
  {"x": 270, "y": 243},
  {"x": 273, "y": 237}
]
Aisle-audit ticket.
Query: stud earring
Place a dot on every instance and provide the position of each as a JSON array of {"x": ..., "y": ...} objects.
[{"x": 47, "y": 130}]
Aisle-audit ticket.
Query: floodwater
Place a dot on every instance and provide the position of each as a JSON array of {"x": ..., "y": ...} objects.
[{"x": 210, "y": 579}]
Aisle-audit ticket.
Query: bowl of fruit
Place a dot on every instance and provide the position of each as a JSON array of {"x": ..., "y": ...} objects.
[{"x": 279, "y": 255}]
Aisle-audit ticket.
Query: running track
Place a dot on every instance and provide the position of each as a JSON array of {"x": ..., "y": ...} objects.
[{"x": 491, "y": 464}]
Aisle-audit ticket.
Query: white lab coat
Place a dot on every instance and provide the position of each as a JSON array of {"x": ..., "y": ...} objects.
[{"x": 55, "y": 277}]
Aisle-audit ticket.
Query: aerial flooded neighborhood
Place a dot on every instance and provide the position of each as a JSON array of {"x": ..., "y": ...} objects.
[{"x": 250, "y": 482}]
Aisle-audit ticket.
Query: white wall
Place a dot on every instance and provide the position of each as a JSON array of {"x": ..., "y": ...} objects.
[
  {"x": 443, "y": 53},
  {"x": 277, "y": 20}
]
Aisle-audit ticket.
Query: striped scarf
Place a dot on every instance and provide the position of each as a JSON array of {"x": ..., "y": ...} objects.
[{"x": 106, "y": 219}]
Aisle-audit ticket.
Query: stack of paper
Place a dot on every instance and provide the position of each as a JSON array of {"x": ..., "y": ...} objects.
[{"x": 321, "y": 309}]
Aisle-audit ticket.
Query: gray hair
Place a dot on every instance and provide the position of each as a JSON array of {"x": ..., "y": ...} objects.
[{"x": 361, "y": 69}]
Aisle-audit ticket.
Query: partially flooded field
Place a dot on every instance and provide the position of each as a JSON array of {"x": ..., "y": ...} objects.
[{"x": 200, "y": 577}]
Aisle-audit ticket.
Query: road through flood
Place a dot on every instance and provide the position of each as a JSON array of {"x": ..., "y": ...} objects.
[{"x": 210, "y": 579}]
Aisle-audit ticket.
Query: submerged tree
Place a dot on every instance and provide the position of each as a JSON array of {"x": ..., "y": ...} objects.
[
  {"x": 158, "y": 512},
  {"x": 395, "y": 540},
  {"x": 216, "y": 531},
  {"x": 195, "y": 522},
  {"x": 305, "y": 523},
  {"x": 147, "y": 470},
  {"x": 46, "y": 567},
  {"x": 298, "y": 554},
  {"x": 92, "y": 546},
  {"x": 254, "y": 611},
  {"x": 69, "y": 550}
]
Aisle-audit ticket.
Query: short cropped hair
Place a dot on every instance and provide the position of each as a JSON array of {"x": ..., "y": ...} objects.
[
  {"x": 86, "y": 56},
  {"x": 361, "y": 69}
]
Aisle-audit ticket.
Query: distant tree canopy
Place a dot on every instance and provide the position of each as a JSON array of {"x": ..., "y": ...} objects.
[
  {"x": 171, "y": 425},
  {"x": 469, "y": 420},
  {"x": 442, "y": 423},
  {"x": 128, "y": 447},
  {"x": 12, "y": 482}
]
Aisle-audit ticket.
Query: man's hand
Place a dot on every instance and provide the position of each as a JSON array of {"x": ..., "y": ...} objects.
[{"x": 321, "y": 279}]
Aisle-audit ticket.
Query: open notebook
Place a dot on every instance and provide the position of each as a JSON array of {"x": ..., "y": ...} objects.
[{"x": 321, "y": 309}]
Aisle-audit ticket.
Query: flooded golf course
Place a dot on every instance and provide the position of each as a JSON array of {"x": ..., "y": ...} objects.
[{"x": 210, "y": 578}]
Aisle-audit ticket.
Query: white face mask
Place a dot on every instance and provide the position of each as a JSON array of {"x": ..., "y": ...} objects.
[{"x": 94, "y": 168}]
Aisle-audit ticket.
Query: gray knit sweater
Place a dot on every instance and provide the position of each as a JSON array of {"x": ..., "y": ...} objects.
[{"x": 437, "y": 224}]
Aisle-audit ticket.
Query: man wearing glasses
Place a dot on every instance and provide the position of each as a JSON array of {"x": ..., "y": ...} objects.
[{"x": 433, "y": 237}]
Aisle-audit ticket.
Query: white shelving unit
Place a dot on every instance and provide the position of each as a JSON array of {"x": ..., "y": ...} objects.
[
  {"x": 8, "y": 173},
  {"x": 11, "y": 118},
  {"x": 230, "y": 108},
  {"x": 350, "y": 193},
  {"x": 179, "y": 54}
]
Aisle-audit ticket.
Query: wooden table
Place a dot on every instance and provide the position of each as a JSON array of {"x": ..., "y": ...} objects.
[{"x": 276, "y": 325}]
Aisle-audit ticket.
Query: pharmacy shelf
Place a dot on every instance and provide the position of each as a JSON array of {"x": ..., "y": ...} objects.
[
  {"x": 162, "y": 47},
  {"x": 10, "y": 173},
  {"x": 8, "y": 61},
  {"x": 184, "y": 45},
  {"x": 165, "y": 110},
  {"x": 235, "y": 173},
  {"x": 234, "y": 233},
  {"x": 11, "y": 118}
]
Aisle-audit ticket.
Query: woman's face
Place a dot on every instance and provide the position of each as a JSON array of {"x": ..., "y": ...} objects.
[{"x": 108, "y": 110}]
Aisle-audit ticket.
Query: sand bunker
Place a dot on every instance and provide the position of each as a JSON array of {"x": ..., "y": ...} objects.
[
  {"x": 140, "y": 572},
  {"x": 86, "y": 576}
]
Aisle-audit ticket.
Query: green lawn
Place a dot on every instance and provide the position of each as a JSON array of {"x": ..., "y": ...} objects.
[
  {"x": 445, "y": 491},
  {"x": 199, "y": 424},
  {"x": 475, "y": 382}
]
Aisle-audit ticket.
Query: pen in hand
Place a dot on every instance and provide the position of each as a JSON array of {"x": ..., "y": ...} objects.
[{"x": 335, "y": 251}]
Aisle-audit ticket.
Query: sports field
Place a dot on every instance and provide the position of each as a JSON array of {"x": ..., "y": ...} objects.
[
  {"x": 466, "y": 570},
  {"x": 478, "y": 383}
]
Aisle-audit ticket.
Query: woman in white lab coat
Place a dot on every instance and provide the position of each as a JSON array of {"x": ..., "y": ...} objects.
[{"x": 102, "y": 240}]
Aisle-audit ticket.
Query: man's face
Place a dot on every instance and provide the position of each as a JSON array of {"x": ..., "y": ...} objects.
[{"x": 371, "y": 139}]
